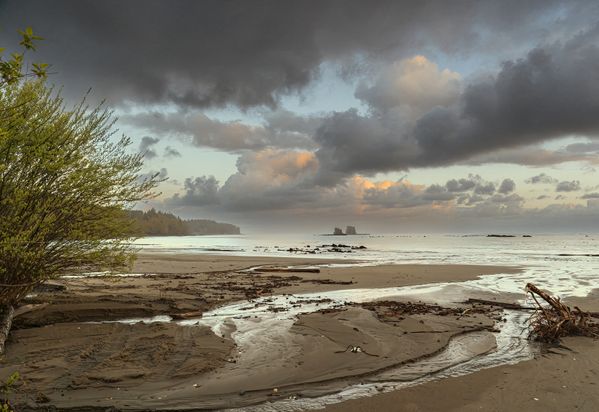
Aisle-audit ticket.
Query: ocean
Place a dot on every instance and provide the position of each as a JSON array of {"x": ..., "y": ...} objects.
[{"x": 564, "y": 264}]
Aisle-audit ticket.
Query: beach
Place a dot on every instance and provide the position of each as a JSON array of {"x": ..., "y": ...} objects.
[
  {"x": 154, "y": 338},
  {"x": 561, "y": 378}
]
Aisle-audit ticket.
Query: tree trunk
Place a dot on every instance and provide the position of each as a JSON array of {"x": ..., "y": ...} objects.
[{"x": 6, "y": 315}]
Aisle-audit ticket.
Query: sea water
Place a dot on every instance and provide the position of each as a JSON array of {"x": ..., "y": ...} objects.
[{"x": 567, "y": 265}]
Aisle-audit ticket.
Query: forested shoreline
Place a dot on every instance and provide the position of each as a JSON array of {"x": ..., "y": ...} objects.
[{"x": 157, "y": 223}]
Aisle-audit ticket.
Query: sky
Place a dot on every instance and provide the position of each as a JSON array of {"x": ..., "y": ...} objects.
[{"x": 394, "y": 116}]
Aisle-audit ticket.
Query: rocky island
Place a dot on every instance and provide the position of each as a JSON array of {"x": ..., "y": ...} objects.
[{"x": 349, "y": 230}]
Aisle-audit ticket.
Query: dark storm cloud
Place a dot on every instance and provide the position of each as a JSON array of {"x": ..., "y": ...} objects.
[
  {"x": 551, "y": 92},
  {"x": 215, "y": 53},
  {"x": 145, "y": 146},
  {"x": 568, "y": 186}
]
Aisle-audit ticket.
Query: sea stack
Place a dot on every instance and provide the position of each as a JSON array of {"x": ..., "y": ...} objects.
[
  {"x": 338, "y": 231},
  {"x": 350, "y": 230}
]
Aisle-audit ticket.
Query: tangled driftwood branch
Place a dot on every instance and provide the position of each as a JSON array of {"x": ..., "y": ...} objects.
[{"x": 550, "y": 323}]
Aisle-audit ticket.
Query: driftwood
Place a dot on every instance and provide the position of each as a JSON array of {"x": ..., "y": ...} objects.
[
  {"x": 552, "y": 322},
  {"x": 328, "y": 281},
  {"x": 289, "y": 270},
  {"x": 6, "y": 315},
  {"x": 505, "y": 305}
]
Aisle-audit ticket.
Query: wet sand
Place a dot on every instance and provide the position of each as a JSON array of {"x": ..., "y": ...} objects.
[
  {"x": 564, "y": 378},
  {"x": 68, "y": 362},
  {"x": 567, "y": 379}
]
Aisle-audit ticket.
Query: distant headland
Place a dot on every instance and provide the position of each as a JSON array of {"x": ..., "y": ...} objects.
[{"x": 156, "y": 223}]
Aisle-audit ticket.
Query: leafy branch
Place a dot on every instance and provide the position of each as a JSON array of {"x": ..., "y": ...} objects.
[{"x": 11, "y": 68}]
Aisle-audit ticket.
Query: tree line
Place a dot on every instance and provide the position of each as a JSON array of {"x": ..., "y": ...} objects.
[{"x": 156, "y": 223}]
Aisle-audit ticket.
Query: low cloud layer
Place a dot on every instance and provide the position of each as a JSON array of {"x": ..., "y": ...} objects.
[
  {"x": 281, "y": 186},
  {"x": 276, "y": 180}
]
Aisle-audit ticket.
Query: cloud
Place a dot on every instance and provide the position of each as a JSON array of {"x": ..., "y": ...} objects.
[
  {"x": 277, "y": 180},
  {"x": 591, "y": 196},
  {"x": 413, "y": 86},
  {"x": 285, "y": 121},
  {"x": 542, "y": 179},
  {"x": 587, "y": 147},
  {"x": 487, "y": 188},
  {"x": 403, "y": 194},
  {"x": 568, "y": 186},
  {"x": 218, "y": 53},
  {"x": 145, "y": 146},
  {"x": 202, "y": 131},
  {"x": 271, "y": 179},
  {"x": 531, "y": 156},
  {"x": 171, "y": 152},
  {"x": 507, "y": 186},
  {"x": 530, "y": 100},
  {"x": 462, "y": 185},
  {"x": 278, "y": 186},
  {"x": 419, "y": 113},
  {"x": 201, "y": 191},
  {"x": 160, "y": 175},
  {"x": 495, "y": 206},
  {"x": 265, "y": 180}
]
